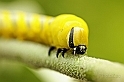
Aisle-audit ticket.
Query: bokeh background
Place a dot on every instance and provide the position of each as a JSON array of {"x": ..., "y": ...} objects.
[{"x": 105, "y": 19}]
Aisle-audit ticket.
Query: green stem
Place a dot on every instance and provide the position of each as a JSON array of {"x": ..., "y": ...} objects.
[{"x": 79, "y": 67}]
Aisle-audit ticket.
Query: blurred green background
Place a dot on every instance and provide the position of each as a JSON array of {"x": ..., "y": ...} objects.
[{"x": 105, "y": 19}]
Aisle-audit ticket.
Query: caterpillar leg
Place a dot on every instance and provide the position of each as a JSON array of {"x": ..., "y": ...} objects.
[
  {"x": 62, "y": 51},
  {"x": 51, "y": 49}
]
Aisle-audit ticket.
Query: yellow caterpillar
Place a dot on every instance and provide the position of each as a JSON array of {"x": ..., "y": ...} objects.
[{"x": 64, "y": 32}]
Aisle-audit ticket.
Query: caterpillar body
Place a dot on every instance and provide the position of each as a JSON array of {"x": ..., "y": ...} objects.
[{"x": 64, "y": 32}]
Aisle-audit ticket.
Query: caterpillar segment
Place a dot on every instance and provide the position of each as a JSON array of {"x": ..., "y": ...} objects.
[{"x": 65, "y": 32}]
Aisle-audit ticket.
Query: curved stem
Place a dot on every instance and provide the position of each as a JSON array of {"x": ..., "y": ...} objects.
[{"x": 79, "y": 67}]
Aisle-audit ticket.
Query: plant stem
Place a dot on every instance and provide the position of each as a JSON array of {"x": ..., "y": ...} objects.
[{"x": 79, "y": 67}]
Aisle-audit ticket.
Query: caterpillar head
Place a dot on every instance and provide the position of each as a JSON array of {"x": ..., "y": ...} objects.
[
  {"x": 78, "y": 40},
  {"x": 71, "y": 32}
]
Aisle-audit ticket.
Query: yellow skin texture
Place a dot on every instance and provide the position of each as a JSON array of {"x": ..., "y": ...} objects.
[
  {"x": 53, "y": 31},
  {"x": 61, "y": 27}
]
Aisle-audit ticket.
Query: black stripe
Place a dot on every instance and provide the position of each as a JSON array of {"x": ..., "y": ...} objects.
[{"x": 71, "y": 44}]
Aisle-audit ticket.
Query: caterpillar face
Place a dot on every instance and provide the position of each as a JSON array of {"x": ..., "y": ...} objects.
[
  {"x": 77, "y": 40},
  {"x": 71, "y": 33}
]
